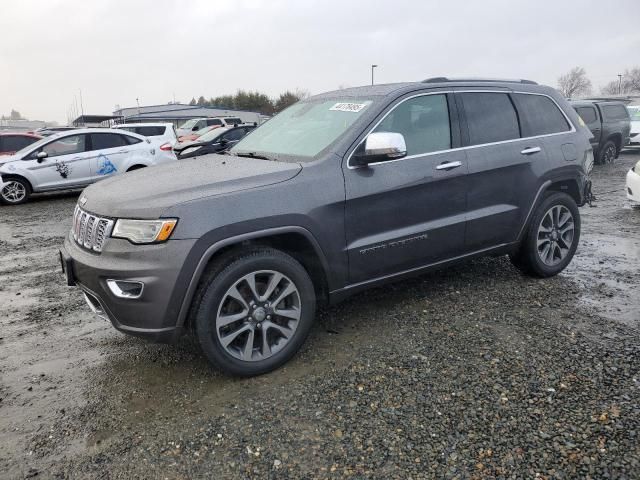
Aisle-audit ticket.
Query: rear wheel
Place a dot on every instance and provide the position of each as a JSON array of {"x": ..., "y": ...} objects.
[
  {"x": 608, "y": 153},
  {"x": 254, "y": 312},
  {"x": 15, "y": 191},
  {"x": 551, "y": 239}
]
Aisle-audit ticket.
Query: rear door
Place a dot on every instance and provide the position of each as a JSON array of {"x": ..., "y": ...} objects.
[
  {"x": 503, "y": 168},
  {"x": 408, "y": 213},
  {"x": 591, "y": 118},
  {"x": 110, "y": 154}
]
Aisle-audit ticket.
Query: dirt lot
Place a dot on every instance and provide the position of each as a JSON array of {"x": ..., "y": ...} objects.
[{"x": 472, "y": 372}]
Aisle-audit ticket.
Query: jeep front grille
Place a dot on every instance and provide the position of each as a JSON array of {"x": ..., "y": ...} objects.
[{"x": 90, "y": 231}]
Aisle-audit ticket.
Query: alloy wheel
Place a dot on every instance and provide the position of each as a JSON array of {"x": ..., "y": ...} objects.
[
  {"x": 610, "y": 154},
  {"x": 258, "y": 315},
  {"x": 555, "y": 235},
  {"x": 14, "y": 192}
]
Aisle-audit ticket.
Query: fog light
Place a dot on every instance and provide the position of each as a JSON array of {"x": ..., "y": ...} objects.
[{"x": 126, "y": 288}]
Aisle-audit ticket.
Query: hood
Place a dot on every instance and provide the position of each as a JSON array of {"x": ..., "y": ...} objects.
[
  {"x": 7, "y": 158},
  {"x": 148, "y": 192}
]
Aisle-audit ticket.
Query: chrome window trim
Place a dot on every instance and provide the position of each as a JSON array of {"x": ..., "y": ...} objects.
[{"x": 438, "y": 152}]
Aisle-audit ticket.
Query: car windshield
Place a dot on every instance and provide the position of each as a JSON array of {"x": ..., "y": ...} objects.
[
  {"x": 634, "y": 113},
  {"x": 211, "y": 134},
  {"x": 34, "y": 146},
  {"x": 189, "y": 124},
  {"x": 303, "y": 130}
]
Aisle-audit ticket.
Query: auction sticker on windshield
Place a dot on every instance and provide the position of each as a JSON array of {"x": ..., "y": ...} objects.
[{"x": 348, "y": 107}]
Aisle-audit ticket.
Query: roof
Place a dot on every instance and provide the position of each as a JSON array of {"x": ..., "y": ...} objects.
[
  {"x": 148, "y": 124},
  {"x": 95, "y": 118}
]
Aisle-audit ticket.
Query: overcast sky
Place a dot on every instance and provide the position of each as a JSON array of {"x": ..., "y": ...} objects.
[{"x": 118, "y": 50}]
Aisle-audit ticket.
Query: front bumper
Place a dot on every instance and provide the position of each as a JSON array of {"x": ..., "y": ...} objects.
[
  {"x": 153, "y": 315},
  {"x": 633, "y": 186}
]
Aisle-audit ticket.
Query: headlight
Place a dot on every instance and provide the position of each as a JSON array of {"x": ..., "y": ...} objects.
[{"x": 144, "y": 231}]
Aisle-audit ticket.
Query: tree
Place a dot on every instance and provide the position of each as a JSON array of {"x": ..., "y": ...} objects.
[
  {"x": 285, "y": 100},
  {"x": 574, "y": 83},
  {"x": 629, "y": 83},
  {"x": 15, "y": 115},
  {"x": 201, "y": 101},
  {"x": 193, "y": 101}
]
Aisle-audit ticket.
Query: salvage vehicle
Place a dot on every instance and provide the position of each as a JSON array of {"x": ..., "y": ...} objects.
[
  {"x": 10, "y": 143},
  {"x": 610, "y": 125},
  {"x": 216, "y": 141},
  {"x": 338, "y": 193},
  {"x": 74, "y": 159},
  {"x": 634, "y": 115},
  {"x": 633, "y": 185}
]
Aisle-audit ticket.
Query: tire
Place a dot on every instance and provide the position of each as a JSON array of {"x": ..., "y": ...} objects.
[
  {"x": 226, "y": 310},
  {"x": 17, "y": 191},
  {"x": 550, "y": 227},
  {"x": 608, "y": 153}
]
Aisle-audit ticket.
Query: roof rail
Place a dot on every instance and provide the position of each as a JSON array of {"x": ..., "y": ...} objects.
[{"x": 449, "y": 79}]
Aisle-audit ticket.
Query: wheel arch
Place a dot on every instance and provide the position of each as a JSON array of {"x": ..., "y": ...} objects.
[
  {"x": 293, "y": 240},
  {"x": 7, "y": 176}
]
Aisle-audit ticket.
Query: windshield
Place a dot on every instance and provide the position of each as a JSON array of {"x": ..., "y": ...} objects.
[
  {"x": 189, "y": 124},
  {"x": 634, "y": 113},
  {"x": 35, "y": 145},
  {"x": 211, "y": 134},
  {"x": 304, "y": 129}
]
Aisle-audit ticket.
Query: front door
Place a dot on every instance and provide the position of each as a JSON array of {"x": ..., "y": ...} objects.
[
  {"x": 65, "y": 166},
  {"x": 408, "y": 213}
]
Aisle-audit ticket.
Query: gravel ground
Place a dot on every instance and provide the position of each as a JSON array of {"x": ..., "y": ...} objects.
[{"x": 472, "y": 372}]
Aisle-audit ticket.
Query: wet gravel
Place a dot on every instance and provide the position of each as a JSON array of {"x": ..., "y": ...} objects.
[{"x": 472, "y": 372}]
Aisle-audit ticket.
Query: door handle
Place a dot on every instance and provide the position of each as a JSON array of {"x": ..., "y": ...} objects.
[
  {"x": 448, "y": 165},
  {"x": 122, "y": 151},
  {"x": 530, "y": 150}
]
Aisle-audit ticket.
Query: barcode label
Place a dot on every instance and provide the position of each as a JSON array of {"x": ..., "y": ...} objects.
[{"x": 348, "y": 107}]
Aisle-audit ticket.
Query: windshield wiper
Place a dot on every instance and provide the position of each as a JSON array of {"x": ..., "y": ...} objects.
[{"x": 251, "y": 155}]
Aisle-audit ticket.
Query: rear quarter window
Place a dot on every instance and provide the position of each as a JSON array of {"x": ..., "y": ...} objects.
[
  {"x": 588, "y": 114},
  {"x": 615, "y": 112},
  {"x": 539, "y": 115},
  {"x": 491, "y": 117}
]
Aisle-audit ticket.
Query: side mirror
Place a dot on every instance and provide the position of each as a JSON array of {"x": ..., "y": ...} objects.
[
  {"x": 379, "y": 147},
  {"x": 224, "y": 141},
  {"x": 41, "y": 156}
]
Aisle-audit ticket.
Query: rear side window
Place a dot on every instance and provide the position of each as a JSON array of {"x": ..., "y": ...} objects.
[
  {"x": 424, "y": 123},
  {"x": 615, "y": 112},
  {"x": 13, "y": 143},
  {"x": 588, "y": 114},
  {"x": 149, "y": 131},
  {"x": 539, "y": 115},
  {"x": 215, "y": 121},
  {"x": 490, "y": 117},
  {"x": 232, "y": 121},
  {"x": 102, "y": 141}
]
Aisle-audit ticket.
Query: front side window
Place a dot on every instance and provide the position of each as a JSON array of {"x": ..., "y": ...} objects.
[
  {"x": 232, "y": 121},
  {"x": 615, "y": 112},
  {"x": 305, "y": 129},
  {"x": 539, "y": 115},
  {"x": 215, "y": 121},
  {"x": 588, "y": 114},
  {"x": 235, "y": 134},
  {"x": 424, "y": 123},
  {"x": 103, "y": 141},
  {"x": 65, "y": 146},
  {"x": 490, "y": 117}
]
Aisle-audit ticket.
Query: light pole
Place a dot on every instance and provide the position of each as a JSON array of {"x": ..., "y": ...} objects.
[
  {"x": 619, "y": 84},
  {"x": 372, "y": 67}
]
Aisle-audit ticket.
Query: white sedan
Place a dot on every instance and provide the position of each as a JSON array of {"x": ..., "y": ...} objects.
[
  {"x": 74, "y": 159},
  {"x": 633, "y": 185}
]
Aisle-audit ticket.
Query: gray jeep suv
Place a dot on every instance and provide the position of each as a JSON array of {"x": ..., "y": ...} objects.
[{"x": 340, "y": 192}]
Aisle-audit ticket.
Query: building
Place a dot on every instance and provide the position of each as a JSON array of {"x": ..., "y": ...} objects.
[
  {"x": 7, "y": 124},
  {"x": 178, "y": 113}
]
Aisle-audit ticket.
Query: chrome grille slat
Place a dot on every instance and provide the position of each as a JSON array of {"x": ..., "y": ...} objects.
[{"x": 90, "y": 231}]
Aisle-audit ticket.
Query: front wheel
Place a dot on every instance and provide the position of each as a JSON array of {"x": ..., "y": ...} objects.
[
  {"x": 551, "y": 238},
  {"x": 15, "y": 191},
  {"x": 254, "y": 312}
]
